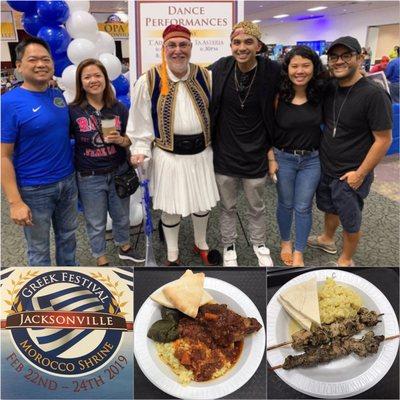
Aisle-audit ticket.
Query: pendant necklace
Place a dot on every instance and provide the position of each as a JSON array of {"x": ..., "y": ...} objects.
[
  {"x": 336, "y": 120},
  {"x": 242, "y": 102}
]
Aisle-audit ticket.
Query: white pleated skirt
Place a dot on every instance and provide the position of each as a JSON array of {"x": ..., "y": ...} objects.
[{"x": 183, "y": 184}]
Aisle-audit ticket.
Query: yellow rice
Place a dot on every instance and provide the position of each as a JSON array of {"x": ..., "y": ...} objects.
[
  {"x": 336, "y": 301},
  {"x": 166, "y": 353}
]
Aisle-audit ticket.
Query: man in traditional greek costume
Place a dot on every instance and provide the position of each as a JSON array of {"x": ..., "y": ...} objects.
[
  {"x": 169, "y": 122},
  {"x": 244, "y": 87}
]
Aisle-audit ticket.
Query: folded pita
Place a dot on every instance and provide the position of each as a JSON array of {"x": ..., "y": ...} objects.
[
  {"x": 160, "y": 297},
  {"x": 186, "y": 293},
  {"x": 304, "y": 299},
  {"x": 305, "y": 323}
]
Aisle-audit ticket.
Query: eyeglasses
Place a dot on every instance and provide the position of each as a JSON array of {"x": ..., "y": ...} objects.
[
  {"x": 182, "y": 46},
  {"x": 346, "y": 57}
]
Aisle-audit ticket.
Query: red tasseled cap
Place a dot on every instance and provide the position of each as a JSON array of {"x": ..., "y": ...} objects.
[{"x": 172, "y": 31}]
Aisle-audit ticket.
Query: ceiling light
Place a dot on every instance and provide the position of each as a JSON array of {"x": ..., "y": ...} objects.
[
  {"x": 316, "y": 8},
  {"x": 280, "y": 16},
  {"x": 256, "y": 21}
]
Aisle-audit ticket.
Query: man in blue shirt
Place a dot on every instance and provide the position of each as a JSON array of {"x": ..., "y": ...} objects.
[
  {"x": 392, "y": 73},
  {"x": 36, "y": 158}
]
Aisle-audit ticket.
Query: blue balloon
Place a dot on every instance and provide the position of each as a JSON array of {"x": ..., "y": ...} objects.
[
  {"x": 121, "y": 85},
  {"x": 31, "y": 23},
  {"x": 57, "y": 37},
  {"x": 53, "y": 13},
  {"x": 125, "y": 100},
  {"x": 23, "y": 6},
  {"x": 60, "y": 63}
]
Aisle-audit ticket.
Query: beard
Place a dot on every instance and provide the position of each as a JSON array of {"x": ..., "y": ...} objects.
[
  {"x": 178, "y": 67},
  {"x": 351, "y": 71}
]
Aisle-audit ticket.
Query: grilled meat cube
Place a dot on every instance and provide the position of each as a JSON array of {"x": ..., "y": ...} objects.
[
  {"x": 339, "y": 347},
  {"x": 327, "y": 332}
]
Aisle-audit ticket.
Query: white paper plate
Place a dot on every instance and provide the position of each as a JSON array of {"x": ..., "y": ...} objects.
[
  {"x": 163, "y": 377},
  {"x": 347, "y": 376}
]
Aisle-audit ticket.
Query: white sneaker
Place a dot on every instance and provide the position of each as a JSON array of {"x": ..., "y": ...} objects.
[
  {"x": 230, "y": 257},
  {"x": 263, "y": 255}
]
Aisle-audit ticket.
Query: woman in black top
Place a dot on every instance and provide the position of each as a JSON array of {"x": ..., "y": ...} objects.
[
  {"x": 99, "y": 157},
  {"x": 295, "y": 158}
]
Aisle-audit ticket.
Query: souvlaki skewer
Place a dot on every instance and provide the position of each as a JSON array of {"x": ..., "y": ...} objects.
[
  {"x": 338, "y": 348},
  {"x": 327, "y": 332}
]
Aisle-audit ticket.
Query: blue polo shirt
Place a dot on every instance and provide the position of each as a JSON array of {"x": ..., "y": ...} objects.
[{"x": 38, "y": 125}]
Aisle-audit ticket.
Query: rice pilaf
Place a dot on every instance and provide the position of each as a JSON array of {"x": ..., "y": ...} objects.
[{"x": 336, "y": 301}]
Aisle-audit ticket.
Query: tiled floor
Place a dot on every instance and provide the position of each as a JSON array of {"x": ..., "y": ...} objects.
[
  {"x": 379, "y": 245},
  {"x": 387, "y": 178}
]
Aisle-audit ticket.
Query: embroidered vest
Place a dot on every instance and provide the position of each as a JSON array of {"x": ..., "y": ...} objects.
[{"x": 163, "y": 107}]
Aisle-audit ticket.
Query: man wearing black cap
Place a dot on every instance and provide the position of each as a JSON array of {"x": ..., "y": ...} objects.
[{"x": 356, "y": 136}]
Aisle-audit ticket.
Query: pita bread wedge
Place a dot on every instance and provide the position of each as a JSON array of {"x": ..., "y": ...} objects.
[
  {"x": 304, "y": 299},
  {"x": 186, "y": 293},
  {"x": 160, "y": 298},
  {"x": 206, "y": 298},
  {"x": 305, "y": 323}
]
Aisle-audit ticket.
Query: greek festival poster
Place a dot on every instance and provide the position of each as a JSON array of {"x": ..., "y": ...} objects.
[{"x": 66, "y": 332}]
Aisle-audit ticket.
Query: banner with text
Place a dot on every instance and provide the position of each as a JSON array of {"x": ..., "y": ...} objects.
[
  {"x": 114, "y": 24},
  {"x": 210, "y": 23}
]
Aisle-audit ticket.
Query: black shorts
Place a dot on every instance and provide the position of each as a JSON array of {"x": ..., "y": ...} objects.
[{"x": 337, "y": 197}]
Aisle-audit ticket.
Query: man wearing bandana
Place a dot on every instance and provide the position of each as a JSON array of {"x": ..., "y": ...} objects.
[
  {"x": 170, "y": 123},
  {"x": 244, "y": 87}
]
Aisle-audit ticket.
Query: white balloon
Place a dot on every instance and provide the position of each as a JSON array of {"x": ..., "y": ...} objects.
[
  {"x": 69, "y": 96},
  {"x": 112, "y": 64},
  {"x": 113, "y": 89},
  {"x": 79, "y": 5},
  {"x": 104, "y": 43},
  {"x": 68, "y": 78},
  {"x": 82, "y": 24},
  {"x": 81, "y": 49}
]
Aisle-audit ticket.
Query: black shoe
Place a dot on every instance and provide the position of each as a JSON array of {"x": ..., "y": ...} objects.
[
  {"x": 130, "y": 254},
  {"x": 176, "y": 263}
]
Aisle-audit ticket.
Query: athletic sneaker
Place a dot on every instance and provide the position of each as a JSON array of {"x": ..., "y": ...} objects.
[
  {"x": 263, "y": 255},
  {"x": 316, "y": 244},
  {"x": 130, "y": 254},
  {"x": 230, "y": 257}
]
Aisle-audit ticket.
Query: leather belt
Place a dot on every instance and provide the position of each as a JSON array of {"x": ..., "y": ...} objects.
[
  {"x": 298, "y": 152},
  {"x": 100, "y": 171}
]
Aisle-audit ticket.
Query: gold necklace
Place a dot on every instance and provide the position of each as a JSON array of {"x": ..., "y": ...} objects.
[{"x": 248, "y": 90}]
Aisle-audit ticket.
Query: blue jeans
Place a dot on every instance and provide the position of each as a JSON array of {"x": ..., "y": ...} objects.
[
  {"x": 57, "y": 204},
  {"x": 97, "y": 194},
  {"x": 298, "y": 178}
]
